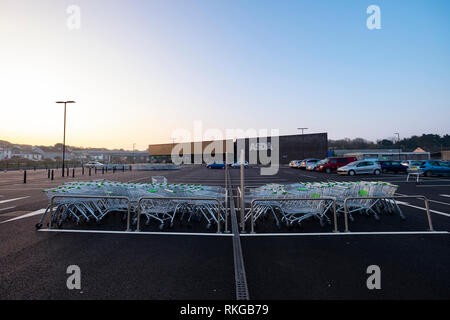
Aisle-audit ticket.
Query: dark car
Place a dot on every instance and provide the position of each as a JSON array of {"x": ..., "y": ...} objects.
[
  {"x": 392, "y": 166},
  {"x": 216, "y": 165}
]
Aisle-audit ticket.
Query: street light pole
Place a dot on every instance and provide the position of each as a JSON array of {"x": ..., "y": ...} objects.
[
  {"x": 64, "y": 139},
  {"x": 398, "y": 142}
]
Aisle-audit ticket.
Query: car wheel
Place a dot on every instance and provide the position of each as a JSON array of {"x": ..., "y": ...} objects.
[
  {"x": 328, "y": 170},
  {"x": 428, "y": 173},
  {"x": 351, "y": 173},
  {"x": 377, "y": 172}
]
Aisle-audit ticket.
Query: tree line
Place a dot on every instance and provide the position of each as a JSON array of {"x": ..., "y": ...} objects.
[{"x": 428, "y": 142}]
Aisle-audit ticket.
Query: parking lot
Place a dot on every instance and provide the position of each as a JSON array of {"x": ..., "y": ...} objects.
[{"x": 192, "y": 262}]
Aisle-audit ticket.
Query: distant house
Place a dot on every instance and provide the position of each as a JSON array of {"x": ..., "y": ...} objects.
[
  {"x": 5, "y": 154},
  {"x": 25, "y": 153}
]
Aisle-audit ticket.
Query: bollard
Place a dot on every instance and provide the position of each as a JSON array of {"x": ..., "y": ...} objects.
[
  {"x": 67, "y": 171},
  {"x": 48, "y": 174},
  {"x": 89, "y": 172},
  {"x": 52, "y": 174},
  {"x": 82, "y": 171},
  {"x": 106, "y": 169},
  {"x": 24, "y": 176},
  {"x": 130, "y": 168},
  {"x": 73, "y": 173},
  {"x": 103, "y": 170},
  {"x": 123, "y": 168},
  {"x": 95, "y": 169},
  {"x": 34, "y": 168},
  {"x": 114, "y": 169}
]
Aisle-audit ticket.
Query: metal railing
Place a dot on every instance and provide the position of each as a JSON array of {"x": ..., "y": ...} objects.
[
  {"x": 252, "y": 204},
  {"x": 52, "y": 205},
  {"x": 427, "y": 207},
  {"x": 177, "y": 199}
]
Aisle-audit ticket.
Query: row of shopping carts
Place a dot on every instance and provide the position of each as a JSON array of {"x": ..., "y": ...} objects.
[
  {"x": 293, "y": 203},
  {"x": 158, "y": 202},
  {"x": 163, "y": 203}
]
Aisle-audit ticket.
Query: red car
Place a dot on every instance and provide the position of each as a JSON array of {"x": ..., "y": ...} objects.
[{"x": 332, "y": 164}]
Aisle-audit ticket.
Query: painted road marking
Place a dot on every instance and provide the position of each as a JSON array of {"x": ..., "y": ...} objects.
[
  {"x": 15, "y": 199},
  {"x": 429, "y": 200},
  {"x": 434, "y": 185},
  {"x": 416, "y": 207},
  {"x": 3, "y": 209},
  {"x": 31, "y": 214},
  {"x": 341, "y": 233},
  {"x": 140, "y": 233}
]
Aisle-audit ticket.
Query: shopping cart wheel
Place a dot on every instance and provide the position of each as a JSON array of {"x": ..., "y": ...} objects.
[{"x": 38, "y": 226}]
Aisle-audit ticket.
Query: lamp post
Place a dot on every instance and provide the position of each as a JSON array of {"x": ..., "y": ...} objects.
[
  {"x": 64, "y": 139},
  {"x": 398, "y": 142},
  {"x": 134, "y": 155}
]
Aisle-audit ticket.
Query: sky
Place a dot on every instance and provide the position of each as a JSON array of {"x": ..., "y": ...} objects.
[{"x": 140, "y": 70}]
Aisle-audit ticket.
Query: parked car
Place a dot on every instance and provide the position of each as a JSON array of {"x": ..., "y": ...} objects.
[
  {"x": 333, "y": 163},
  {"x": 94, "y": 164},
  {"x": 313, "y": 166},
  {"x": 361, "y": 167},
  {"x": 238, "y": 164},
  {"x": 307, "y": 162},
  {"x": 295, "y": 163},
  {"x": 392, "y": 166},
  {"x": 430, "y": 168},
  {"x": 216, "y": 165}
]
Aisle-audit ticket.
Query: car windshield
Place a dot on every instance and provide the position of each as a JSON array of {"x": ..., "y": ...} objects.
[{"x": 417, "y": 163}]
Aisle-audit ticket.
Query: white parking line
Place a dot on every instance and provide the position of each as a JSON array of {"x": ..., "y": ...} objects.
[
  {"x": 3, "y": 209},
  {"x": 31, "y": 214},
  {"x": 435, "y": 201},
  {"x": 141, "y": 233},
  {"x": 434, "y": 185},
  {"x": 416, "y": 207},
  {"x": 342, "y": 233},
  {"x": 15, "y": 199}
]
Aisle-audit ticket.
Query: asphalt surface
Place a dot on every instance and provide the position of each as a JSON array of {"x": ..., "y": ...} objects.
[{"x": 172, "y": 266}]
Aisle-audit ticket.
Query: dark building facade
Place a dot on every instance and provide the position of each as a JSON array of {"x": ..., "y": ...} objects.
[{"x": 291, "y": 147}]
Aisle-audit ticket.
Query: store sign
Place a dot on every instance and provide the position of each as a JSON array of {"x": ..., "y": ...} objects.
[{"x": 260, "y": 146}]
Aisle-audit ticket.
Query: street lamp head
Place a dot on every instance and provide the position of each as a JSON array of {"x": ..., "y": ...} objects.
[{"x": 65, "y": 101}]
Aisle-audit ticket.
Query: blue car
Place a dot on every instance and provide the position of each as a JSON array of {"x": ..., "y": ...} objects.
[
  {"x": 216, "y": 165},
  {"x": 392, "y": 166},
  {"x": 430, "y": 168}
]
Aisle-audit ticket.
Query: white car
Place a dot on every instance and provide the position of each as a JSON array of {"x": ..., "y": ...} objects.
[
  {"x": 94, "y": 164},
  {"x": 238, "y": 164},
  {"x": 361, "y": 167},
  {"x": 295, "y": 163}
]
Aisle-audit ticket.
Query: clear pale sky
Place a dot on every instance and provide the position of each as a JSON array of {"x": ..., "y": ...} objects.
[{"x": 141, "y": 69}]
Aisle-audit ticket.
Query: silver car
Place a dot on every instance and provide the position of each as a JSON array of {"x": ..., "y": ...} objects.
[
  {"x": 308, "y": 162},
  {"x": 361, "y": 167}
]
